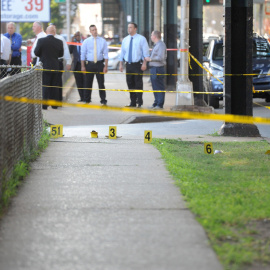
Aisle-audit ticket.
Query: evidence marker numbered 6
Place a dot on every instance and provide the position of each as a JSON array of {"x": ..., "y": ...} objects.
[
  {"x": 112, "y": 132},
  {"x": 208, "y": 148},
  {"x": 147, "y": 136},
  {"x": 56, "y": 131}
]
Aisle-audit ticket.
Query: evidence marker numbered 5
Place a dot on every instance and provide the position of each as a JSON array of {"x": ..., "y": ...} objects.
[
  {"x": 56, "y": 131},
  {"x": 208, "y": 148},
  {"x": 147, "y": 136}
]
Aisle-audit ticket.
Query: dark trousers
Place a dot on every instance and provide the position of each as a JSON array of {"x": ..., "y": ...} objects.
[
  {"x": 79, "y": 77},
  {"x": 49, "y": 79},
  {"x": 60, "y": 81},
  {"x": 3, "y": 71},
  {"x": 135, "y": 82},
  {"x": 89, "y": 77},
  {"x": 17, "y": 61},
  {"x": 158, "y": 84}
]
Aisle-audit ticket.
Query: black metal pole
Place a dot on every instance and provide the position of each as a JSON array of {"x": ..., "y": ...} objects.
[
  {"x": 196, "y": 47},
  {"x": 171, "y": 41},
  {"x": 238, "y": 60}
]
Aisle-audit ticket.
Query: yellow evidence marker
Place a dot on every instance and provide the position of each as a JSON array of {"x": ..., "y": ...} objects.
[
  {"x": 56, "y": 131},
  {"x": 112, "y": 132},
  {"x": 208, "y": 148},
  {"x": 147, "y": 136}
]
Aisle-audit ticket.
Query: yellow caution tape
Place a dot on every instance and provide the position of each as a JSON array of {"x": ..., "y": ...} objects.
[
  {"x": 186, "y": 115},
  {"x": 135, "y": 90},
  {"x": 200, "y": 65},
  {"x": 148, "y": 74}
]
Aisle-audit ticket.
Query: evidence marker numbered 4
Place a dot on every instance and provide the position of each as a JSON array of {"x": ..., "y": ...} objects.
[{"x": 147, "y": 136}]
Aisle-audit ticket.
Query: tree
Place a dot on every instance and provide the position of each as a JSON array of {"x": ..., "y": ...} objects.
[{"x": 26, "y": 28}]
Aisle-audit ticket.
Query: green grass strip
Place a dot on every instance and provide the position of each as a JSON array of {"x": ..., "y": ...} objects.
[
  {"x": 229, "y": 194},
  {"x": 21, "y": 169}
]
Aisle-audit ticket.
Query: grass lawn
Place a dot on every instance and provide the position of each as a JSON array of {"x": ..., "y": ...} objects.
[{"x": 229, "y": 193}]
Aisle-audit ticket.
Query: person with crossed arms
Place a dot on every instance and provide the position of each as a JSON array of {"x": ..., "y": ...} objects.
[
  {"x": 134, "y": 50},
  {"x": 94, "y": 52}
]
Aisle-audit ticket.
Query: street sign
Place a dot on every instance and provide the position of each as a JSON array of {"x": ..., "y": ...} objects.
[
  {"x": 25, "y": 11},
  {"x": 60, "y": 1}
]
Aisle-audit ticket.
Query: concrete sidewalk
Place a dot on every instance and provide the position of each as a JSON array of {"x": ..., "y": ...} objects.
[{"x": 101, "y": 204}]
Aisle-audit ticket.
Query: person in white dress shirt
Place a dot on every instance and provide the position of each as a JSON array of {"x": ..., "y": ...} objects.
[
  {"x": 38, "y": 30},
  {"x": 5, "y": 55}
]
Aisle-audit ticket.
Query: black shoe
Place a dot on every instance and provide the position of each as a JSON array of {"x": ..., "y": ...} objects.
[
  {"x": 130, "y": 105},
  {"x": 54, "y": 107},
  {"x": 44, "y": 108},
  {"x": 139, "y": 106},
  {"x": 80, "y": 100}
]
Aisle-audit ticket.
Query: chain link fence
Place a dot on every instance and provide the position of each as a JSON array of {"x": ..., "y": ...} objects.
[{"x": 20, "y": 123}]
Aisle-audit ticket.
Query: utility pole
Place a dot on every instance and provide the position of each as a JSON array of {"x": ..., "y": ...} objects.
[
  {"x": 238, "y": 60},
  {"x": 68, "y": 19},
  {"x": 156, "y": 15},
  {"x": 184, "y": 84},
  {"x": 196, "y": 48},
  {"x": 170, "y": 39}
]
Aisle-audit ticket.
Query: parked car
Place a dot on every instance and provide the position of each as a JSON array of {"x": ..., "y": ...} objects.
[
  {"x": 113, "y": 59},
  {"x": 213, "y": 61},
  {"x": 24, "y": 55},
  {"x": 206, "y": 40}
]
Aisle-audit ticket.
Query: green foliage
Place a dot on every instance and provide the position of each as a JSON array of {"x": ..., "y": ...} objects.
[
  {"x": 21, "y": 169},
  {"x": 228, "y": 193},
  {"x": 26, "y": 28},
  {"x": 55, "y": 17}
]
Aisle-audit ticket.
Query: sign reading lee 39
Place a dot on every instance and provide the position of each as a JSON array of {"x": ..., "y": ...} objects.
[{"x": 25, "y": 10}]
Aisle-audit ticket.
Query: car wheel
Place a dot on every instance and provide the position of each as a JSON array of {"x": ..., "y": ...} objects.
[
  {"x": 267, "y": 99},
  {"x": 213, "y": 101}
]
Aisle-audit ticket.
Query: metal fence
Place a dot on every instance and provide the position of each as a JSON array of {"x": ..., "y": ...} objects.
[{"x": 20, "y": 123}]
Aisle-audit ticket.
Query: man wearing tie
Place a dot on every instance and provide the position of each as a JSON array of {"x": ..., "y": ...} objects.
[
  {"x": 76, "y": 64},
  {"x": 94, "y": 52},
  {"x": 134, "y": 50}
]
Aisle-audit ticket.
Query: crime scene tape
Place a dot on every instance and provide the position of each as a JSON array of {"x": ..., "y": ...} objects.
[
  {"x": 148, "y": 74},
  {"x": 267, "y": 107},
  {"x": 135, "y": 90},
  {"x": 181, "y": 115}
]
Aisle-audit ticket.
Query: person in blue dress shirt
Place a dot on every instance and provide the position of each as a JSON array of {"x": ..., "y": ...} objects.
[
  {"x": 16, "y": 43},
  {"x": 94, "y": 53},
  {"x": 134, "y": 50}
]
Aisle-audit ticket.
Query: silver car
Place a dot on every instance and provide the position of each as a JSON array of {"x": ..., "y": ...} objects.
[{"x": 113, "y": 61}]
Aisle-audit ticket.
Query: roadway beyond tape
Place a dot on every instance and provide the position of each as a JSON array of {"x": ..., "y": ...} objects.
[{"x": 175, "y": 114}]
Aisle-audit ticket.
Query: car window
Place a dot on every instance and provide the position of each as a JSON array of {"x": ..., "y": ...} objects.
[
  {"x": 205, "y": 47},
  {"x": 261, "y": 48},
  {"x": 218, "y": 52}
]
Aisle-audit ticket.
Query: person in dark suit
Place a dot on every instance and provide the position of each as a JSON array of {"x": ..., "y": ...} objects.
[
  {"x": 49, "y": 49},
  {"x": 76, "y": 64}
]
